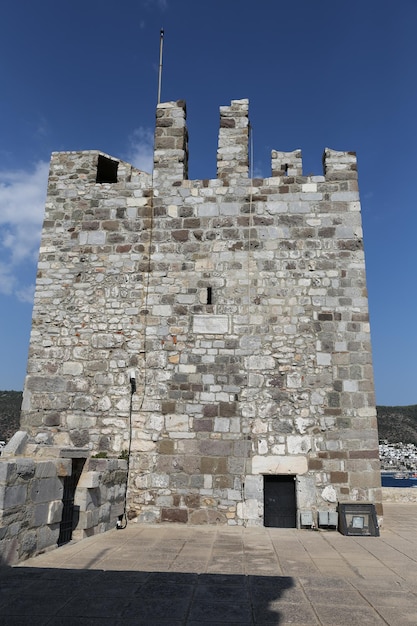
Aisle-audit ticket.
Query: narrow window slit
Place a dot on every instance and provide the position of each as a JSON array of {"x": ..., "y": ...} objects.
[{"x": 209, "y": 295}]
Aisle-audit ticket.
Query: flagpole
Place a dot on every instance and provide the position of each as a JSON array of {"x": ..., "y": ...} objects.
[{"x": 161, "y": 43}]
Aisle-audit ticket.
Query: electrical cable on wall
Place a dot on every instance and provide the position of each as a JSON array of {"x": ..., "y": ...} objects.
[
  {"x": 120, "y": 523},
  {"x": 122, "y": 519}
]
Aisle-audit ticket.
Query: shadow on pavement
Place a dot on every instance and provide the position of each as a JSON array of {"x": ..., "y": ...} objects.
[{"x": 67, "y": 596}]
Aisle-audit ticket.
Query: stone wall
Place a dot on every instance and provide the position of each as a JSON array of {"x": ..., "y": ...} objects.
[
  {"x": 240, "y": 305},
  {"x": 31, "y": 501},
  {"x": 399, "y": 494},
  {"x": 100, "y": 496},
  {"x": 30, "y": 506}
]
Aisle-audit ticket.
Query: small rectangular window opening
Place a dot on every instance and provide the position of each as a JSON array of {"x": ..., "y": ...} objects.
[
  {"x": 106, "y": 170},
  {"x": 209, "y": 295},
  {"x": 286, "y": 169}
]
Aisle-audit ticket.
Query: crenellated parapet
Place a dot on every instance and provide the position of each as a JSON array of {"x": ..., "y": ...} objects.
[
  {"x": 339, "y": 165},
  {"x": 171, "y": 149},
  {"x": 90, "y": 167},
  {"x": 171, "y": 143},
  {"x": 232, "y": 151},
  {"x": 286, "y": 163}
]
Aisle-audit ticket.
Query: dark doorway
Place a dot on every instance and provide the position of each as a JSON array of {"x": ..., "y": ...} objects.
[
  {"x": 69, "y": 521},
  {"x": 279, "y": 501}
]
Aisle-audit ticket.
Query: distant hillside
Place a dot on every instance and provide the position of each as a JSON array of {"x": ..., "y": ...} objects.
[
  {"x": 395, "y": 423},
  {"x": 398, "y": 423},
  {"x": 10, "y": 402}
]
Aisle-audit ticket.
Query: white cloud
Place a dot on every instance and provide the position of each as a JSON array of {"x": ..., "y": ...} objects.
[
  {"x": 140, "y": 153},
  {"x": 26, "y": 294},
  {"x": 22, "y": 202},
  {"x": 7, "y": 281}
]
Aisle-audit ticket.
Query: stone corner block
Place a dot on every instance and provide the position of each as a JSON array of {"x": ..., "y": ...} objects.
[
  {"x": 89, "y": 480},
  {"x": 54, "y": 512},
  {"x": 16, "y": 445}
]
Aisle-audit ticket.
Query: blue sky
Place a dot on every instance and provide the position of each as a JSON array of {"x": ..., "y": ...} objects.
[{"x": 83, "y": 75}]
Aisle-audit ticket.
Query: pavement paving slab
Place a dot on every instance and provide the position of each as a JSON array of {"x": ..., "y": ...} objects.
[{"x": 183, "y": 576}]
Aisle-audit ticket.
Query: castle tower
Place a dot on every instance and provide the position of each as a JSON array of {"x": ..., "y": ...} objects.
[{"x": 240, "y": 306}]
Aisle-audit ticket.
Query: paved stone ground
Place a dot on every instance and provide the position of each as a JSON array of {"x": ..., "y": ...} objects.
[{"x": 176, "y": 575}]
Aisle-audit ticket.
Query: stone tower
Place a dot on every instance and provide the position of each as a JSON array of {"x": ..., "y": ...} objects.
[{"x": 214, "y": 331}]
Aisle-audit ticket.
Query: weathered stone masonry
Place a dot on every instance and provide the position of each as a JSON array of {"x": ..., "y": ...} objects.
[{"x": 239, "y": 303}]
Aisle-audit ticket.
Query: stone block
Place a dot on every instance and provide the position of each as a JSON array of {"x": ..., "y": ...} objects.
[
  {"x": 279, "y": 465},
  {"x": 72, "y": 368},
  {"x": 222, "y": 481},
  {"x": 306, "y": 492},
  {"x": 197, "y": 481},
  {"x": 211, "y": 324},
  {"x": 213, "y": 465},
  {"x": 227, "y": 409},
  {"x": 159, "y": 481},
  {"x": 207, "y": 516},
  {"x": 46, "y": 537},
  {"x": 28, "y": 543},
  {"x": 45, "y": 469},
  {"x": 294, "y": 380},
  {"x": 215, "y": 447},
  {"x": 254, "y": 487},
  {"x": 63, "y": 467},
  {"x": 203, "y": 425},
  {"x": 7, "y": 470},
  {"x": 39, "y": 514},
  {"x": 329, "y": 494},
  {"x": 89, "y": 480},
  {"x": 298, "y": 444},
  {"x": 46, "y": 490},
  {"x": 339, "y": 477},
  {"x": 12, "y": 496},
  {"x": 260, "y": 362},
  {"x": 176, "y": 423},
  {"x": 174, "y": 515},
  {"x": 45, "y": 384},
  {"x": 88, "y": 519},
  {"x": 221, "y": 425},
  {"x": 80, "y": 421},
  {"x": 249, "y": 509},
  {"x": 16, "y": 445},
  {"x": 25, "y": 468},
  {"x": 166, "y": 446},
  {"x": 54, "y": 512},
  {"x": 104, "y": 513},
  {"x": 9, "y": 550},
  {"x": 116, "y": 509},
  {"x": 236, "y": 465},
  {"x": 89, "y": 499}
]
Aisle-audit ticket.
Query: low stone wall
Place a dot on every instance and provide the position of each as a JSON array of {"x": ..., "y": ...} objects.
[
  {"x": 399, "y": 494},
  {"x": 31, "y": 492},
  {"x": 100, "y": 496},
  {"x": 30, "y": 506}
]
